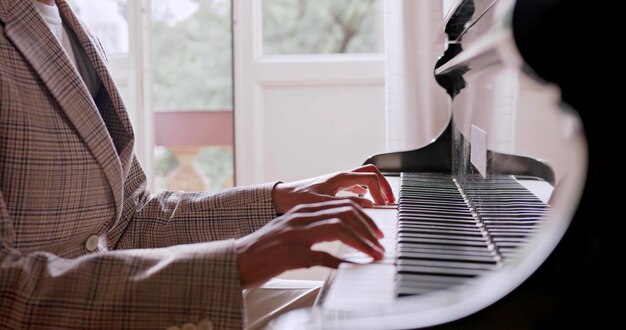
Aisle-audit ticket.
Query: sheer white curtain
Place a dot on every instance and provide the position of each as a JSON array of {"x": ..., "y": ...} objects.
[{"x": 417, "y": 108}]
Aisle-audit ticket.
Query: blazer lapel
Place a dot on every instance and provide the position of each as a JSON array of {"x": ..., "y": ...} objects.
[
  {"x": 25, "y": 28},
  {"x": 113, "y": 103}
]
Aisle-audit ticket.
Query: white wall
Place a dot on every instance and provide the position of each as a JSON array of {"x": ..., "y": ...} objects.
[{"x": 312, "y": 130}]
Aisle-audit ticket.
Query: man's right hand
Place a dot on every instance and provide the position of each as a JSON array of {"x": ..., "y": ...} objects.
[{"x": 285, "y": 243}]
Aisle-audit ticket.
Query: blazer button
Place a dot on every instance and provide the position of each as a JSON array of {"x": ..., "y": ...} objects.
[
  {"x": 92, "y": 243},
  {"x": 189, "y": 326},
  {"x": 205, "y": 325}
]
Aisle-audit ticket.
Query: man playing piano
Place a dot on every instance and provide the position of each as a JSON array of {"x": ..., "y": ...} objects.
[{"x": 85, "y": 245}]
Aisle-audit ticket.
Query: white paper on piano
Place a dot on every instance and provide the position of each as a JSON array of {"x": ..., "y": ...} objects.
[{"x": 479, "y": 150}]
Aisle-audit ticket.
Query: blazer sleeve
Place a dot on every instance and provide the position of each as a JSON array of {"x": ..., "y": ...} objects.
[
  {"x": 130, "y": 289},
  {"x": 171, "y": 218}
]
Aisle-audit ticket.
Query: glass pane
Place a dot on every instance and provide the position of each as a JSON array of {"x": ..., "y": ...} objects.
[
  {"x": 192, "y": 94},
  {"x": 191, "y": 55},
  {"x": 108, "y": 20},
  {"x": 322, "y": 26}
]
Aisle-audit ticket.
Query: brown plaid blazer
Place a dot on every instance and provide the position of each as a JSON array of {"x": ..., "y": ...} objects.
[{"x": 68, "y": 173}]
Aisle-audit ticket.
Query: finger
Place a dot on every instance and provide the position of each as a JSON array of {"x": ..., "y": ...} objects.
[
  {"x": 319, "y": 258},
  {"x": 328, "y": 202},
  {"x": 351, "y": 203},
  {"x": 357, "y": 190},
  {"x": 385, "y": 186},
  {"x": 360, "y": 220},
  {"x": 348, "y": 216},
  {"x": 335, "y": 229},
  {"x": 370, "y": 180},
  {"x": 360, "y": 201}
]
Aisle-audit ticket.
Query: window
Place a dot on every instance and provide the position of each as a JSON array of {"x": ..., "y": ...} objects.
[
  {"x": 192, "y": 94},
  {"x": 190, "y": 91},
  {"x": 172, "y": 61},
  {"x": 322, "y": 26},
  {"x": 111, "y": 21},
  {"x": 108, "y": 20},
  {"x": 191, "y": 55}
]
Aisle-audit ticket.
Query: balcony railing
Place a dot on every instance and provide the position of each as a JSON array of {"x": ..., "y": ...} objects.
[{"x": 201, "y": 143}]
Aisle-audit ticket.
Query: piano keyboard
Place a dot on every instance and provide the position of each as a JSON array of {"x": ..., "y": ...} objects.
[
  {"x": 440, "y": 236},
  {"x": 447, "y": 234}
]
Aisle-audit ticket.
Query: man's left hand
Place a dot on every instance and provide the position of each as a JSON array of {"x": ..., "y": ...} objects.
[{"x": 324, "y": 188}]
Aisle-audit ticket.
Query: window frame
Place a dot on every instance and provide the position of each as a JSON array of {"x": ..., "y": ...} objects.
[{"x": 254, "y": 71}]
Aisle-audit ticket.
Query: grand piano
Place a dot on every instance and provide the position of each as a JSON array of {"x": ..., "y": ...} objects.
[{"x": 486, "y": 233}]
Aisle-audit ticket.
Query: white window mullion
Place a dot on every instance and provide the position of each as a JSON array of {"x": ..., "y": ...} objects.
[
  {"x": 141, "y": 41},
  {"x": 248, "y": 125}
]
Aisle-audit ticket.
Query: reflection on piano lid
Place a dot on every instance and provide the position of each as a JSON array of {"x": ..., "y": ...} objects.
[{"x": 460, "y": 242}]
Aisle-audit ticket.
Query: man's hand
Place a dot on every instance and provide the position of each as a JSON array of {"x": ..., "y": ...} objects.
[
  {"x": 324, "y": 188},
  {"x": 285, "y": 243}
]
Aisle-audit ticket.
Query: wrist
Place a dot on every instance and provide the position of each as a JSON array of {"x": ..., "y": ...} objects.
[
  {"x": 280, "y": 196},
  {"x": 240, "y": 248}
]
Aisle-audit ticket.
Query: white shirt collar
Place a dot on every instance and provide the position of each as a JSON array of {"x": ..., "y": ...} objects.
[{"x": 50, "y": 14}]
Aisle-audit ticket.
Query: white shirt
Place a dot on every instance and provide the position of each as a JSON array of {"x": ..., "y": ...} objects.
[
  {"x": 73, "y": 49},
  {"x": 52, "y": 17}
]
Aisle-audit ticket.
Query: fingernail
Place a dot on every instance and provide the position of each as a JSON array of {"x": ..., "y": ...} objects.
[
  {"x": 380, "y": 249},
  {"x": 376, "y": 246}
]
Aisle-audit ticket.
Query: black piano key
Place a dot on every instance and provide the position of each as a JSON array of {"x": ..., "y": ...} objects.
[
  {"x": 447, "y": 251},
  {"x": 416, "y": 280},
  {"x": 404, "y": 214},
  {"x": 512, "y": 245},
  {"x": 448, "y": 257},
  {"x": 439, "y": 271},
  {"x": 438, "y": 226},
  {"x": 418, "y": 230},
  {"x": 403, "y": 291},
  {"x": 412, "y": 246},
  {"x": 510, "y": 215},
  {"x": 504, "y": 239},
  {"x": 451, "y": 238},
  {"x": 434, "y": 202},
  {"x": 506, "y": 231},
  {"x": 450, "y": 220},
  {"x": 515, "y": 206},
  {"x": 434, "y": 241},
  {"x": 429, "y": 221},
  {"x": 527, "y": 223},
  {"x": 409, "y": 286},
  {"x": 462, "y": 209},
  {"x": 461, "y": 254},
  {"x": 435, "y": 215},
  {"x": 509, "y": 235},
  {"x": 444, "y": 264}
]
